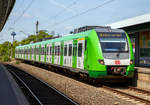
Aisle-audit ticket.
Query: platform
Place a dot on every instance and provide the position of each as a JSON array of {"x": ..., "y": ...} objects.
[
  {"x": 10, "y": 93},
  {"x": 142, "y": 78}
]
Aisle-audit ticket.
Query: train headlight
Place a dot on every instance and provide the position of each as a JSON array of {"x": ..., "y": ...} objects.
[
  {"x": 101, "y": 62},
  {"x": 131, "y": 62}
]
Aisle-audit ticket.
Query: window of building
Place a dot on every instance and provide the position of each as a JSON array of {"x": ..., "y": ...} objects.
[
  {"x": 70, "y": 50},
  {"x": 144, "y": 47},
  {"x": 79, "y": 49}
]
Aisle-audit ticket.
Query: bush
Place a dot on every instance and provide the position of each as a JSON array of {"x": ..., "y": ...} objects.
[{"x": 5, "y": 59}]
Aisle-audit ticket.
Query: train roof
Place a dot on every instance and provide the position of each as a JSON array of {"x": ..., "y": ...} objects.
[
  {"x": 73, "y": 36},
  {"x": 68, "y": 37}
]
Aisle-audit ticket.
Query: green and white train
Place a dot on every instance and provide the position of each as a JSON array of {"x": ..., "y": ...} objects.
[{"x": 98, "y": 53}]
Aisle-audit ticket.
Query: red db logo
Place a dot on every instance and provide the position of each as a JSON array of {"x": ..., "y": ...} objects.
[{"x": 117, "y": 62}]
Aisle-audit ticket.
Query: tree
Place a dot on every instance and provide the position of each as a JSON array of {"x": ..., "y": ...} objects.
[{"x": 5, "y": 48}]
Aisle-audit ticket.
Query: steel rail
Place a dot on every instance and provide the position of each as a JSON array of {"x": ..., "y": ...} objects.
[
  {"x": 25, "y": 77},
  {"x": 18, "y": 78},
  {"x": 139, "y": 90},
  {"x": 128, "y": 95}
]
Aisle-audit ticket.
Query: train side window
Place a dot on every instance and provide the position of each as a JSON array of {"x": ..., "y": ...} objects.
[
  {"x": 50, "y": 50},
  {"x": 85, "y": 44},
  {"x": 65, "y": 50},
  {"x": 58, "y": 50},
  {"x": 70, "y": 50},
  {"x": 28, "y": 51},
  {"x": 41, "y": 50},
  {"x": 79, "y": 49},
  {"x": 32, "y": 50},
  {"x": 36, "y": 51},
  {"x": 47, "y": 52},
  {"x": 61, "y": 50},
  {"x": 74, "y": 49},
  {"x": 55, "y": 50}
]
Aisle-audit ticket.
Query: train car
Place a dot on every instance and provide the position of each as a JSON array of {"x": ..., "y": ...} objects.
[{"x": 101, "y": 52}]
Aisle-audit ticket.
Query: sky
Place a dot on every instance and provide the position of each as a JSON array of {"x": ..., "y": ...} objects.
[{"x": 62, "y": 16}]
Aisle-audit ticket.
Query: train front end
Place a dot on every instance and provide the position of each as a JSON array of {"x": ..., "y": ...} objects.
[{"x": 117, "y": 52}]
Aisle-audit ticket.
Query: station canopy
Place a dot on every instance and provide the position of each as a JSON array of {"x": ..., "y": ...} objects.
[
  {"x": 135, "y": 24},
  {"x": 5, "y": 9}
]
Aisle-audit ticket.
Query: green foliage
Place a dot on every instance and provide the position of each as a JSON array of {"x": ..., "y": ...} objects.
[
  {"x": 5, "y": 59},
  {"x": 7, "y": 47}
]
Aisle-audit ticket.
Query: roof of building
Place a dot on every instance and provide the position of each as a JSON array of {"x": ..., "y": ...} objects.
[
  {"x": 131, "y": 21},
  {"x": 5, "y": 9}
]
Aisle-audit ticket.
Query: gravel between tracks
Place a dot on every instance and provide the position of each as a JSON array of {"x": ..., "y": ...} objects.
[{"x": 82, "y": 93}]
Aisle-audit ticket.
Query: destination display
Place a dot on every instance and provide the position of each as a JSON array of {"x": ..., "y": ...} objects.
[{"x": 111, "y": 35}]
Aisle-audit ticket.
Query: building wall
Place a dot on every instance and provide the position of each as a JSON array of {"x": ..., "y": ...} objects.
[{"x": 144, "y": 43}]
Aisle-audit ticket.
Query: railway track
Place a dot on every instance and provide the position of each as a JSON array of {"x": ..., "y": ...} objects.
[
  {"x": 139, "y": 95},
  {"x": 131, "y": 93},
  {"x": 38, "y": 92}
]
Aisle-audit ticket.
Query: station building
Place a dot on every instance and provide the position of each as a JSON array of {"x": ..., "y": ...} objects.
[{"x": 138, "y": 29}]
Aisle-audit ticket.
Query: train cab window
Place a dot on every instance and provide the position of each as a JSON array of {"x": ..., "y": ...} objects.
[
  {"x": 79, "y": 49},
  {"x": 70, "y": 50},
  {"x": 65, "y": 50}
]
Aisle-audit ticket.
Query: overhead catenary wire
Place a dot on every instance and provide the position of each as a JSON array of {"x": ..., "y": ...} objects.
[
  {"x": 62, "y": 11},
  {"x": 28, "y": 6},
  {"x": 82, "y": 13},
  {"x": 73, "y": 3}
]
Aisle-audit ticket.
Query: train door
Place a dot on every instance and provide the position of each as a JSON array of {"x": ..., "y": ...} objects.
[
  {"x": 57, "y": 53},
  {"x": 74, "y": 60},
  {"x": 42, "y": 52},
  {"x": 65, "y": 54},
  {"x": 69, "y": 58},
  {"x": 80, "y": 54}
]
